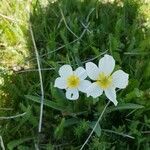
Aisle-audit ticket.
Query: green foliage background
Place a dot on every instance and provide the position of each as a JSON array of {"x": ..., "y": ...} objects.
[{"x": 120, "y": 28}]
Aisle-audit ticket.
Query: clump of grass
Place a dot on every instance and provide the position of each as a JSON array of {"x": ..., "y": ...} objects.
[{"x": 14, "y": 28}]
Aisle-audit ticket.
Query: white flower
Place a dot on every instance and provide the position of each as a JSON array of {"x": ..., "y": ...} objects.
[
  {"x": 72, "y": 81},
  {"x": 104, "y": 79}
]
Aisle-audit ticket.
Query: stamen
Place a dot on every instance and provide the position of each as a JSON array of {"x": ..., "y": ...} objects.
[
  {"x": 73, "y": 81},
  {"x": 104, "y": 81}
]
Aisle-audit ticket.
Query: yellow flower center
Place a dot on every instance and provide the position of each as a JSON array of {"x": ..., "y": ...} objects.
[
  {"x": 104, "y": 81},
  {"x": 73, "y": 81}
]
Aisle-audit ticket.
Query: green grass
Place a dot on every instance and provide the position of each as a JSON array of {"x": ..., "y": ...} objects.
[{"x": 73, "y": 32}]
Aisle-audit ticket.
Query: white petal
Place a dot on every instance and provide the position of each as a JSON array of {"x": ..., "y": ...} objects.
[
  {"x": 111, "y": 95},
  {"x": 107, "y": 64},
  {"x": 120, "y": 79},
  {"x": 60, "y": 83},
  {"x": 94, "y": 90},
  {"x": 81, "y": 73},
  {"x": 92, "y": 70},
  {"x": 84, "y": 84},
  {"x": 65, "y": 71},
  {"x": 72, "y": 94}
]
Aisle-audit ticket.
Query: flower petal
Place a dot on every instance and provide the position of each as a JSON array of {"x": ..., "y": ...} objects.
[
  {"x": 107, "y": 64},
  {"x": 120, "y": 79},
  {"x": 94, "y": 90},
  {"x": 84, "y": 84},
  {"x": 111, "y": 95},
  {"x": 60, "y": 83},
  {"x": 72, "y": 94},
  {"x": 65, "y": 71},
  {"x": 81, "y": 73},
  {"x": 92, "y": 70}
]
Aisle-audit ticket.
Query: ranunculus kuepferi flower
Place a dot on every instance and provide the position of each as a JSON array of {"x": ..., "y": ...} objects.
[
  {"x": 104, "y": 79},
  {"x": 72, "y": 81}
]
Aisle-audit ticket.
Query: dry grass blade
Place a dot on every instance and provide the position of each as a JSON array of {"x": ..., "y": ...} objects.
[
  {"x": 63, "y": 17},
  {"x": 41, "y": 80},
  {"x": 12, "y": 117},
  {"x": 2, "y": 143}
]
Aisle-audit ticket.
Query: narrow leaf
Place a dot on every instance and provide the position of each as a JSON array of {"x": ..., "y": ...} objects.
[
  {"x": 124, "y": 107},
  {"x": 47, "y": 103},
  {"x": 98, "y": 128},
  {"x": 11, "y": 145}
]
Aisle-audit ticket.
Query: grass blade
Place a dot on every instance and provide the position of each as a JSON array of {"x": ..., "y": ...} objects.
[{"x": 47, "y": 103}]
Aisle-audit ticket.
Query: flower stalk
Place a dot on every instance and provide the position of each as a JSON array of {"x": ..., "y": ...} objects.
[{"x": 99, "y": 119}]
